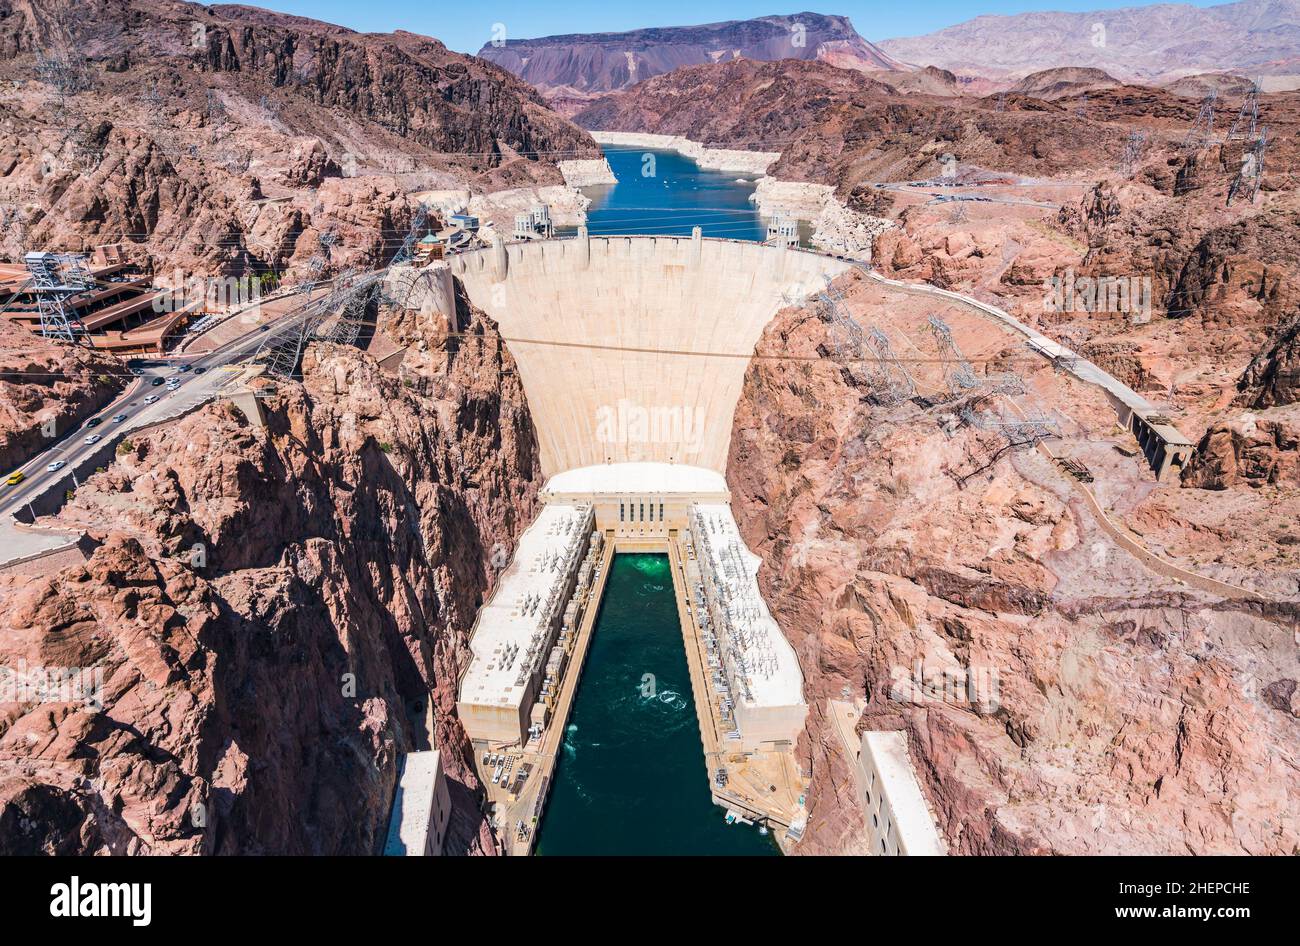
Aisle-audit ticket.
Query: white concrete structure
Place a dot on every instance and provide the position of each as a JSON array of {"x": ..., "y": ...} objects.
[
  {"x": 421, "y": 810},
  {"x": 754, "y": 669},
  {"x": 636, "y": 478},
  {"x": 635, "y": 348},
  {"x": 517, "y": 628},
  {"x": 897, "y": 818}
]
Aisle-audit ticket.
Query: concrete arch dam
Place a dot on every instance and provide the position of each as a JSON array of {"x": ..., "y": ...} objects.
[{"x": 634, "y": 349}]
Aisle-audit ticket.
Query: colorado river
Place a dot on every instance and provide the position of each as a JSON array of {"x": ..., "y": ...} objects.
[
  {"x": 631, "y": 777},
  {"x": 665, "y": 193}
]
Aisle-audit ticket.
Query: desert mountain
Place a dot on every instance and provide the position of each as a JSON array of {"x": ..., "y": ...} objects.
[
  {"x": 227, "y": 137},
  {"x": 1053, "y": 83},
  {"x": 1162, "y": 40},
  {"x": 583, "y": 63}
]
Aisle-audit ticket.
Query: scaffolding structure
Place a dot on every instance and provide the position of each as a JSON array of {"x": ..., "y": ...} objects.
[{"x": 55, "y": 279}]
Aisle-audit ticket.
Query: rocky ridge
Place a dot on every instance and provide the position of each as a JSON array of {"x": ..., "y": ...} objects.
[{"x": 270, "y": 609}]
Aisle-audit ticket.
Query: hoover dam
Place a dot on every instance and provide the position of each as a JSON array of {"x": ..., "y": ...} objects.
[
  {"x": 633, "y": 349},
  {"x": 632, "y": 352}
]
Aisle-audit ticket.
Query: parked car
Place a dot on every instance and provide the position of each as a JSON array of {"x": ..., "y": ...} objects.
[{"x": 56, "y": 466}]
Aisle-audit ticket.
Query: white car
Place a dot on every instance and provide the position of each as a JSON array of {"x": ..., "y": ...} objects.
[
  {"x": 93, "y": 438},
  {"x": 56, "y": 465},
  {"x": 151, "y": 399}
]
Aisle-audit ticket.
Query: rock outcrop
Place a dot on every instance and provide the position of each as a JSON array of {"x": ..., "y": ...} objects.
[
  {"x": 208, "y": 138},
  {"x": 1249, "y": 451},
  {"x": 1131, "y": 714},
  {"x": 47, "y": 389},
  {"x": 270, "y": 610}
]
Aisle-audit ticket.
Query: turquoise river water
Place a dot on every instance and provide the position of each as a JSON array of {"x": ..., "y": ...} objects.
[
  {"x": 631, "y": 777},
  {"x": 663, "y": 193}
]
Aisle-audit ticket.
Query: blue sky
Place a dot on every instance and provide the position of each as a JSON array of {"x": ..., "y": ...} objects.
[{"x": 465, "y": 25}]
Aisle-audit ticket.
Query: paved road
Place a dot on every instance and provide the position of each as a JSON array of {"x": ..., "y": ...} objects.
[{"x": 208, "y": 374}]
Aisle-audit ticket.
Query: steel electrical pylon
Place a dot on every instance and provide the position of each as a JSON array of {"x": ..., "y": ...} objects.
[
  {"x": 56, "y": 279},
  {"x": 958, "y": 376},
  {"x": 1251, "y": 172},
  {"x": 892, "y": 383},
  {"x": 1243, "y": 126},
  {"x": 1202, "y": 131}
]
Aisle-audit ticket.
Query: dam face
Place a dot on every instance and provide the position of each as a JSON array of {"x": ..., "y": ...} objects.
[
  {"x": 632, "y": 352},
  {"x": 635, "y": 348}
]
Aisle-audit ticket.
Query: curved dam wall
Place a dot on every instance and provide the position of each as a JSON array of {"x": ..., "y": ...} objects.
[{"x": 634, "y": 348}]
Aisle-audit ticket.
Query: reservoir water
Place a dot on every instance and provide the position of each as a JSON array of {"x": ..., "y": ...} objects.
[
  {"x": 665, "y": 193},
  {"x": 631, "y": 778}
]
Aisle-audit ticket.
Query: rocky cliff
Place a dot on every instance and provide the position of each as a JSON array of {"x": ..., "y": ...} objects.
[
  {"x": 228, "y": 138},
  {"x": 270, "y": 609},
  {"x": 1130, "y": 713},
  {"x": 46, "y": 389}
]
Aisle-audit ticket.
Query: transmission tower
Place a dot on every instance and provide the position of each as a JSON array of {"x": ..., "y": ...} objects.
[
  {"x": 957, "y": 373},
  {"x": 1243, "y": 126},
  {"x": 1132, "y": 152},
  {"x": 1202, "y": 131},
  {"x": 348, "y": 304},
  {"x": 1251, "y": 172},
  {"x": 54, "y": 287},
  {"x": 891, "y": 382},
  {"x": 1034, "y": 426},
  {"x": 846, "y": 333},
  {"x": 316, "y": 265},
  {"x": 62, "y": 73}
]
